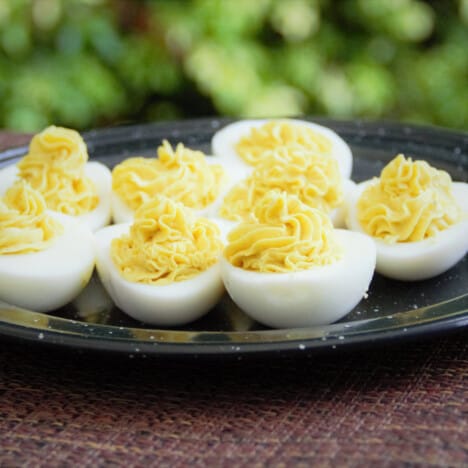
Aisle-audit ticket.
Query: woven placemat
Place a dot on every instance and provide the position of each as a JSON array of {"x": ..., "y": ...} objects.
[
  {"x": 377, "y": 407},
  {"x": 8, "y": 139},
  {"x": 400, "y": 405}
]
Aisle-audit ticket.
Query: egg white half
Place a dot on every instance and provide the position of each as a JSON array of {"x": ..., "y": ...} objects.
[
  {"x": 412, "y": 261},
  {"x": 121, "y": 212},
  {"x": 48, "y": 279},
  {"x": 166, "y": 305},
  {"x": 102, "y": 179},
  {"x": 306, "y": 298},
  {"x": 224, "y": 141},
  {"x": 338, "y": 215},
  {"x": 7, "y": 178},
  {"x": 100, "y": 176}
]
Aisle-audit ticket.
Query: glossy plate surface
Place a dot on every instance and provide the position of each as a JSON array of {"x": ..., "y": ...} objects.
[{"x": 393, "y": 310}]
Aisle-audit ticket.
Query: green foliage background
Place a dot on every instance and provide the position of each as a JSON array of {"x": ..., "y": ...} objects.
[{"x": 87, "y": 63}]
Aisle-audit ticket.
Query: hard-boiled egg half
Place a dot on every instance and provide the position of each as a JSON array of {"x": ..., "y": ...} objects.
[
  {"x": 290, "y": 268},
  {"x": 56, "y": 165},
  {"x": 315, "y": 179},
  {"x": 46, "y": 258},
  {"x": 243, "y": 143},
  {"x": 180, "y": 173},
  {"x": 163, "y": 268},
  {"x": 417, "y": 217}
]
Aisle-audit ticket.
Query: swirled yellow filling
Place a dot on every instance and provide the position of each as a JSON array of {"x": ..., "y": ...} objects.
[
  {"x": 286, "y": 236},
  {"x": 314, "y": 179},
  {"x": 411, "y": 201},
  {"x": 166, "y": 244},
  {"x": 277, "y": 133},
  {"x": 181, "y": 174},
  {"x": 55, "y": 166},
  {"x": 25, "y": 226}
]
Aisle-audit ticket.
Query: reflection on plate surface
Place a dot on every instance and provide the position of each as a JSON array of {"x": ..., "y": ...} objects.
[{"x": 392, "y": 310}]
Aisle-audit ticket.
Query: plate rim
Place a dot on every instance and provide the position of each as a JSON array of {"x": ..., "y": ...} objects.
[{"x": 195, "y": 350}]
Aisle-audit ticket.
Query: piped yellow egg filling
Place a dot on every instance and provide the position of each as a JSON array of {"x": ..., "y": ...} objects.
[
  {"x": 25, "y": 226},
  {"x": 277, "y": 133},
  {"x": 166, "y": 244},
  {"x": 411, "y": 201},
  {"x": 314, "y": 179},
  {"x": 55, "y": 167},
  {"x": 181, "y": 174},
  {"x": 286, "y": 236}
]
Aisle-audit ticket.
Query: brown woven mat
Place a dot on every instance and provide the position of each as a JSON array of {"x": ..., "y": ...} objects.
[
  {"x": 384, "y": 407},
  {"x": 8, "y": 140}
]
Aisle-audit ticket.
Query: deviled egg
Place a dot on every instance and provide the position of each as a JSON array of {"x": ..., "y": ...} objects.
[
  {"x": 245, "y": 142},
  {"x": 46, "y": 258},
  {"x": 290, "y": 268},
  {"x": 57, "y": 166},
  {"x": 314, "y": 178},
  {"x": 417, "y": 217},
  {"x": 182, "y": 174},
  {"x": 164, "y": 267}
]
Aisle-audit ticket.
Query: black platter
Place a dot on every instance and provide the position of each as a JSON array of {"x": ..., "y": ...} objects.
[{"x": 392, "y": 311}]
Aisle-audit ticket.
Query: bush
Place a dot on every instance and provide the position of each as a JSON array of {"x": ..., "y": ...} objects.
[{"x": 86, "y": 63}]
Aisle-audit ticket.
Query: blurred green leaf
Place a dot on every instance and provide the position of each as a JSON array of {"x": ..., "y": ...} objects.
[
  {"x": 86, "y": 63},
  {"x": 15, "y": 39},
  {"x": 373, "y": 89}
]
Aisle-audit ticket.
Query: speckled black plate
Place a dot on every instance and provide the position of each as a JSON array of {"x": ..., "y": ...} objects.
[{"x": 393, "y": 310}]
